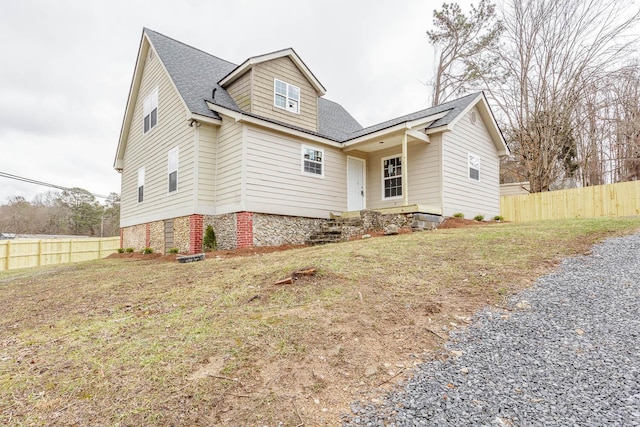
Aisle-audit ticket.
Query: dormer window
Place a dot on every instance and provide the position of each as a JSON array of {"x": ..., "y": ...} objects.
[{"x": 286, "y": 96}]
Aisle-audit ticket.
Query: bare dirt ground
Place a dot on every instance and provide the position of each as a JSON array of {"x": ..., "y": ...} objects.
[{"x": 142, "y": 340}]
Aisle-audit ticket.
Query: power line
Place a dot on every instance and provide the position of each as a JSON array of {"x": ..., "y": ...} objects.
[{"x": 42, "y": 183}]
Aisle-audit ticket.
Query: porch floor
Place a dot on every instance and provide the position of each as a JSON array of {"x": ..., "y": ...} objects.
[{"x": 416, "y": 208}]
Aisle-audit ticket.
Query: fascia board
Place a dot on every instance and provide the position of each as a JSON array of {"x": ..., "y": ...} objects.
[
  {"x": 243, "y": 118},
  {"x": 249, "y": 63}
]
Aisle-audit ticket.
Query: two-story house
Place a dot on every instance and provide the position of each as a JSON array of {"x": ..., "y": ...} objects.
[{"x": 256, "y": 151}]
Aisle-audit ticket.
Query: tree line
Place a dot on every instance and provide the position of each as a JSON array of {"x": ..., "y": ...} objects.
[
  {"x": 70, "y": 212},
  {"x": 562, "y": 77}
]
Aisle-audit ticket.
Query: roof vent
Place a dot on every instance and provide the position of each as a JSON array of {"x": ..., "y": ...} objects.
[{"x": 473, "y": 117}]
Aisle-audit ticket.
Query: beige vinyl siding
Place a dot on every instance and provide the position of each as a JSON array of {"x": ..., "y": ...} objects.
[
  {"x": 262, "y": 94},
  {"x": 424, "y": 175},
  {"x": 240, "y": 91},
  {"x": 208, "y": 138},
  {"x": 275, "y": 182},
  {"x": 228, "y": 176},
  {"x": 150, "y": 151},
  {"x": 462, "y": 194}
]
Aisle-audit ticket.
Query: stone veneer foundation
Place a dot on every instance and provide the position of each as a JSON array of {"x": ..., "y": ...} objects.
[
  {"x": 246, "y": 229},
  {"x": 186, "y": 233},
  {"x": 242, "y": 230}
]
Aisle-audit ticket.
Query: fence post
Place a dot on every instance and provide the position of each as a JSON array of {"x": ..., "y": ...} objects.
[
  {"x": 100, "y": 248},
  {"x": 70, "y": 250},
  {"x": 8, "y": 257}
]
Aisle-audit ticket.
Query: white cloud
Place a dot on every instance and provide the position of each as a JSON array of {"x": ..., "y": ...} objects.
[{"x": 67, "y": 68}]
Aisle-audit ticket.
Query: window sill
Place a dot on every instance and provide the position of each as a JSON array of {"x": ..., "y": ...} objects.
[
  {"x": 280, "y": 109},
  {"x": 312, "y": 175}
]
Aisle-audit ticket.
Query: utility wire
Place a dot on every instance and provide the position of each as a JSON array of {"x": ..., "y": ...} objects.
[{"x": 45, "y": 184}]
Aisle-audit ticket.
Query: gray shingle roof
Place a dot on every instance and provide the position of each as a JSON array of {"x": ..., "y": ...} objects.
[
  {"x": 334, "y": 121},
  {"x": 454, "y": 107},
  {"x": 196, "y": 73}
]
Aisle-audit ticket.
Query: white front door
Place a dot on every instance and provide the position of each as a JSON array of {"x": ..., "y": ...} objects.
[{"x": 355, "y": 184}]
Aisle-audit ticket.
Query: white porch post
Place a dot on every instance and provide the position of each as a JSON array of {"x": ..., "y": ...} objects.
[{"x": 405, "y": 171}]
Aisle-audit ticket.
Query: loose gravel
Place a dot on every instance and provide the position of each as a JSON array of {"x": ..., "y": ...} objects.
[{"x": 565, "y": 353}]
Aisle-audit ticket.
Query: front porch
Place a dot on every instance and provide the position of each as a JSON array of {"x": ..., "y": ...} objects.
[{"x": 395, "y": 170}]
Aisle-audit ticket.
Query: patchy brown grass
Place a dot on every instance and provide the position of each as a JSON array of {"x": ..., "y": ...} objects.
[{"x": 143, "y": 342}]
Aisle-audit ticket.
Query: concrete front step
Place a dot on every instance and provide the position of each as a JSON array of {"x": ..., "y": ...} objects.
[{"x": 331, "y": 229}]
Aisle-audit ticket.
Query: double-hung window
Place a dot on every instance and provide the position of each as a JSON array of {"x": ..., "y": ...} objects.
[
  {"x": 150, "y": 111},
  {"x": 140, "y": 185},
  {"x": 312, "y": 159},
  {"x": 474, "y": 167},
  {"x": 173, "y": 169},
  {"x": 286, "y": 96},
  {"x": 392, "y": 177}
]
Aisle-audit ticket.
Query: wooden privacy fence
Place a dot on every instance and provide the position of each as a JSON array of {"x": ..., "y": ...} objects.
[
  {"x": 35, "y": 253},
  {"x": 622, "y": 199}
]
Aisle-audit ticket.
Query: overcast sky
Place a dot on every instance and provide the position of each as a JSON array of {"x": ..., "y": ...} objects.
[{"x": 66, "y": 68}]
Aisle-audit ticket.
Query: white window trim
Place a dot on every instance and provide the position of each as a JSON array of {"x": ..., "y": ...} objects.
[
  {"x": 399, "y": 156},
  {"x": 140, "y": 184},
  {"x": 469, "y": 156},
  {"x": 286, "y": 100},
  {"x": 173, "y": 158},
  {"x": 147, "y": 107},
  {"x": 302, "y": 159}
]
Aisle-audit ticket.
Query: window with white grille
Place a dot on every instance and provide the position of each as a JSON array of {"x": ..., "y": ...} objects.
[{"x": 392, "y": 177}]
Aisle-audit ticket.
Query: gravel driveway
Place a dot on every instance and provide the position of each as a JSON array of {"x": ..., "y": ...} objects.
[{"x": 566, "y": 354}]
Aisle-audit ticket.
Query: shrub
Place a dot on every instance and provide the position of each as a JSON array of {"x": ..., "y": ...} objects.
[
  {"x": 120, "y": 250},
  {"x": 458, "y": 215},
  {"x": 209, "y": 243},
  {"x": 498, "y": 218},
  {"x": 478, "y": 217},
  {"x": 147, "y": 251},
  {"x": 128, "y": 250},
  {"x": 174, "y": 250}
]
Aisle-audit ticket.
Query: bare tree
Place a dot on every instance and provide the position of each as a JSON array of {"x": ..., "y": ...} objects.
[
  {"x": 17, "y": 215},
  {"x": 462, "y": 46},
  {"x": 627, "y": 121},
  {"x": 554, "y": 53},
  {"x": 73, "y": 211}
]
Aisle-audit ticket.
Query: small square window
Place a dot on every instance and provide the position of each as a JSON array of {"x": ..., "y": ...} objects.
[
  {"x": 312, "y": 161},
  {"x": 286, "y": 96}
]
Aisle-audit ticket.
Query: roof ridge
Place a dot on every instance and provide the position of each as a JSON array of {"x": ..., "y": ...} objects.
[
  {"x": 188, "y": 45},
  {"x": 271, "y": 53},
  {"x": 424, "y": 110}
]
